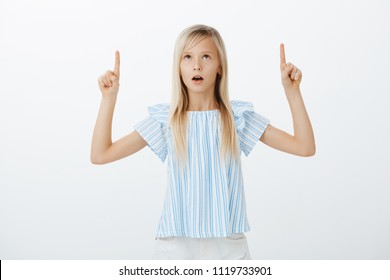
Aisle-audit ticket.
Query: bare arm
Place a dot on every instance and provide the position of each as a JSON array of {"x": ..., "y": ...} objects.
[
  {"x": 102, "y": 149},
  {"x": 302, "y": 143}
]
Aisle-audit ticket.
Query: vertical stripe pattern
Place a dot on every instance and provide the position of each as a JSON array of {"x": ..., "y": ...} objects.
[{"x": 206, "y": 198}]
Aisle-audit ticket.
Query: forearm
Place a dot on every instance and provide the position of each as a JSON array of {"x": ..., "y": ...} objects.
[
  {"x": 303, "y": 131},
  {"x": 101, "y": 139}
]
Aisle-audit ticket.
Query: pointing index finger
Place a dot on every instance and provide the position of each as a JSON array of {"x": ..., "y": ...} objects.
[
  {"x": 117, "y": 64},
  {"x": 282, "y": 56}
]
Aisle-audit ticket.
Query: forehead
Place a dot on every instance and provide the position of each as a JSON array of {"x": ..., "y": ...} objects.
[{"x": 204, "y": 45}]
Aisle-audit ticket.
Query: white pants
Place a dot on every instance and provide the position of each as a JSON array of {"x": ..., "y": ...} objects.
[{"x": 234, "y": 247}]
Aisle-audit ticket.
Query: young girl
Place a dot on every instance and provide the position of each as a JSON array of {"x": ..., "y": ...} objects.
[{"x": 201, "y": 133}]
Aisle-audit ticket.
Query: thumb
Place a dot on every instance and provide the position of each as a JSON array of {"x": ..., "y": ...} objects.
[
  {"x": 287, "y": 69},
  {"x": 114, "y": 79}
]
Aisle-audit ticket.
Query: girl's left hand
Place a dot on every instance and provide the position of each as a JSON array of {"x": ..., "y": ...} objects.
[{"x": 291, "y": 75}]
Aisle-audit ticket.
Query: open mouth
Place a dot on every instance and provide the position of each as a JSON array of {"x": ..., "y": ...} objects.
[{"x": 197, "y": 78}]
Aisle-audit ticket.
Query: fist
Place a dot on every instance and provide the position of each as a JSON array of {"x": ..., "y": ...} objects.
[
  {"x": 291, "y": 75},
  {"x": 109, "y": 81}
]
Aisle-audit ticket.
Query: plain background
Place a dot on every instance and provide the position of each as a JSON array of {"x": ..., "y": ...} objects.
[{"x": 55, "y": 204}]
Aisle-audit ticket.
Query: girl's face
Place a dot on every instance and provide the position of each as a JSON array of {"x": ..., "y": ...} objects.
[{"x": 199, "y": 66}]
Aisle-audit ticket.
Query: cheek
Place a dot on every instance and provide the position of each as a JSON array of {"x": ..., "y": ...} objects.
[
  {"x": 183, "y": 72},
  {"x": 183, "y": 78}
]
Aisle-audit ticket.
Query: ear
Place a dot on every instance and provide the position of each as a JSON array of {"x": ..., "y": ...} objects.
[{"x": 219, "y": 70}]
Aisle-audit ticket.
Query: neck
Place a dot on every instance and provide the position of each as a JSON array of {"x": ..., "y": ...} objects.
[
  {"x": 202, "y": 103},
  {"x": 202, "y": 107}
]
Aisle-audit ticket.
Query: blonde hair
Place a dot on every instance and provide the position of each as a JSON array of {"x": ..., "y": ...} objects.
[{"x": 188, "y": 38}]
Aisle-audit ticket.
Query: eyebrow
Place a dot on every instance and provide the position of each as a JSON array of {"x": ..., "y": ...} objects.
[{"x": 204, "y": 52}]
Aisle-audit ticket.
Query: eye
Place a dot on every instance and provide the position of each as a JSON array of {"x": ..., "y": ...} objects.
[
  {"x": 206, "y": 56},
  {"x": 186, "y": 57}
]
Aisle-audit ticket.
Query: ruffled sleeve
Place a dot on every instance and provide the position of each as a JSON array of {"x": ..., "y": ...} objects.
[
  {"x": 154, "y": 129},
  {"x": 250, "y": 125}
]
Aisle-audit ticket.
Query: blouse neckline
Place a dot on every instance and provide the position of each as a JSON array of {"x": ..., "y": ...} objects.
[{"x": 204, "y": 111}]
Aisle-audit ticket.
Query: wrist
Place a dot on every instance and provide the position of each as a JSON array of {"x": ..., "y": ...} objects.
[
  {"x": 109, "y": 98},
  {"x": 291, "y": 89}
]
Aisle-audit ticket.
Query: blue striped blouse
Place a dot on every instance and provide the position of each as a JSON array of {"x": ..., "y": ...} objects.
[{"x": 206, "y": 198}]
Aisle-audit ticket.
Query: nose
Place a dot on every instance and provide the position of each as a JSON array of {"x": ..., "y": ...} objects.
[{"x": 196, "y": 65}]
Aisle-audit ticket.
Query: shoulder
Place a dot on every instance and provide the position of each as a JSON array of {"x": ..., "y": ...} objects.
[
  {"x": 159, "y": 112},
  {"x": 240, "y": 107},
  {"x": 240, "y": 110},
  {"x": 245, "y": 115}
]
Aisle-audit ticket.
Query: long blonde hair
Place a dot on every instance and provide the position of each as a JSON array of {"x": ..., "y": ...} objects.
[{"x": 188, "y": 38}]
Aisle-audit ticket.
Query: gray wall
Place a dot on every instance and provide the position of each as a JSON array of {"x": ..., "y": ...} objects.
[{"x": 54, "y": 204}]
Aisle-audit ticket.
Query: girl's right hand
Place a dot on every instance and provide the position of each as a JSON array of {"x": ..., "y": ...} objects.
[{"x": 109, "y": 81}]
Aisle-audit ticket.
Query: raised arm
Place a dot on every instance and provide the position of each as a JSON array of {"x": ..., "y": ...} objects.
[
  {"x": 302, "y": 143},
  {"x": 102, "y": 149}
]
